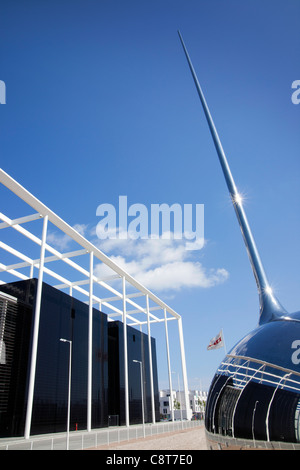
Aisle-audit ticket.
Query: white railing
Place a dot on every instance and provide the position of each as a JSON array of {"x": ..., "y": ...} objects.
[
  {"x": 242, "y": 369},
  {"x": 103, "y": 437}
]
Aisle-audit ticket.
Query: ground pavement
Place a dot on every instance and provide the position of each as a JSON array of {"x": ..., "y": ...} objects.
[{"x": 187, "y": 439}]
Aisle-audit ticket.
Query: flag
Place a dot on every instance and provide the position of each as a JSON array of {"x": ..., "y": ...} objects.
[{"x": 216, "y": 342}]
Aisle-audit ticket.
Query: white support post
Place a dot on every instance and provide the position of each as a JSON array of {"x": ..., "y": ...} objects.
[
  {"x": 150, "y": 360},
  {"x": 125, "y": 354},
  {"x": 90, "y": 347},
  {"x": 35, "y": 332},
  {"x": 169, "y": 365},
  {"x": 184, "y": 373}
]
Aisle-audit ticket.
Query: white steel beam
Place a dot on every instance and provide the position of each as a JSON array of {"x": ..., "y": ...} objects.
[
  {"x": 37, "y": 205},
  {"x": 128, "y": 296},
  {"x": 20, "y": 220},
  {"x": 12, "y": 271},
  {"x": 169, "y": 365},
  {"x": 88, "y": 278},
  {"x": 125, "y": 354},
  {"x": 59, "y": 255},
  {"x": 160, "y": 320},
  {"x": 35, "y": 333},
  {"x": 183, "y": 365},
  {"x": 90, "y": 347},
  {"x": 150, "y": 360}
]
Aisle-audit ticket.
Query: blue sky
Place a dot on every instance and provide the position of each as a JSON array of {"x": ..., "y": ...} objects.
[{"x": 100, "y": 103}]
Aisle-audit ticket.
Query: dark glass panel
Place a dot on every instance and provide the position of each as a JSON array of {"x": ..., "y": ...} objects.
[
  {"x": 100, "y": 371},
  {"x": 138, "y": 349},
  {"x": 225, "y": 409},
  {"x": 113, "y": 371},
  {"x": 282, "y": 416},
  {"x": 61, "y": 316},
  {"x": 213, "y": 395},
  {"x": 15, "y": 319},
  {"x": 251, "y": 411}
]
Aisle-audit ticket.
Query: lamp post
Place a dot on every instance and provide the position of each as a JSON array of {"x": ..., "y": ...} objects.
[
  {"x": 141, "y": 374},
  {"x": 69, "y": 389}
]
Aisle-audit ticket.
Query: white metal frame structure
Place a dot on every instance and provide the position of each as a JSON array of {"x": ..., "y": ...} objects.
[{"x": 129, "y": 295}]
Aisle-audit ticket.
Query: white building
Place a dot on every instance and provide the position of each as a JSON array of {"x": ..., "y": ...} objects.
[
  {"x": 197, "y": 402},
  {"x": 165, "y": 403}
]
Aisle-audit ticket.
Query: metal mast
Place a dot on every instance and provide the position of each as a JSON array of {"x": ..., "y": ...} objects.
[{"x": 270, "y": 308}]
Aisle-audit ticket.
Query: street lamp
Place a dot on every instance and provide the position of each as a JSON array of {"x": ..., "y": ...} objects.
[
  {"x": 69, "y": 389},
  {"x": 141, "y": 374}
]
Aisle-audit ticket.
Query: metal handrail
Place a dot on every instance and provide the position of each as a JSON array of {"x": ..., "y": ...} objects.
[{"x": 265, "y": 376}]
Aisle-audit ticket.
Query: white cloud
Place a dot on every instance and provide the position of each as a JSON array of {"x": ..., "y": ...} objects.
[
  {"x": 160, "y": 264},
  {"x": 80, "y": 228},
  {"x": 180, "y": 274},
  {"x": 61, "y": 241}
]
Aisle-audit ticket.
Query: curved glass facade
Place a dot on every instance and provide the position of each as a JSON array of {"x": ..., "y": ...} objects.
[{"x": 251, "y": 399}]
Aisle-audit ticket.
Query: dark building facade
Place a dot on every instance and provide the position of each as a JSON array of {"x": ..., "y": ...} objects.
[
  {"x": 63, "y": 316},
  {"x": 137, "y": 349}
]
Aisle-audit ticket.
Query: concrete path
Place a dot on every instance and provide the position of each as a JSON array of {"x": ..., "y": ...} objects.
[{"x": 187, "y": 439}]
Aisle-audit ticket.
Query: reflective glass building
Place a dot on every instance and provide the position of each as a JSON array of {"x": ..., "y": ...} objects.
[
  {"x": 137, "y": 347},
  {"x": 255, "y": 393},
  {"x": 253, "y": 400},
  {"x": 62, "y": 316},
  {"x": 40, "y": 315}
]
